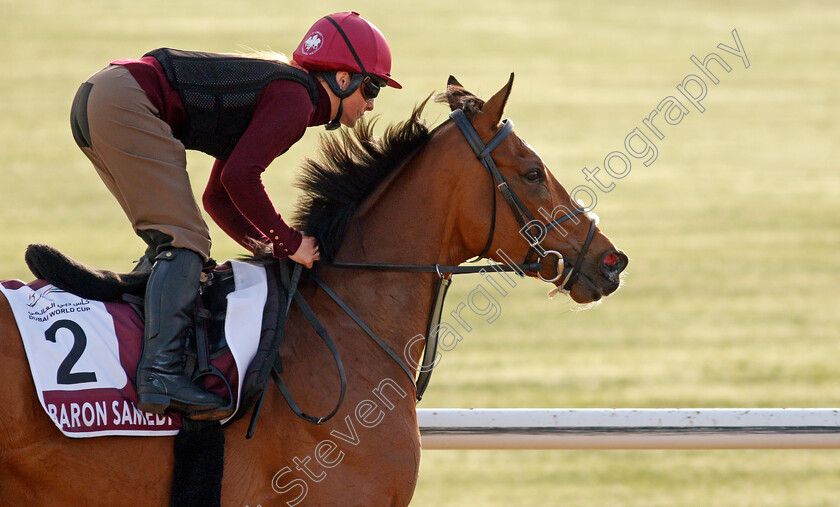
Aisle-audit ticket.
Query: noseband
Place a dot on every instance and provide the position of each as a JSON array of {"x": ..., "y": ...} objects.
[{"x": 520, "y": 211}]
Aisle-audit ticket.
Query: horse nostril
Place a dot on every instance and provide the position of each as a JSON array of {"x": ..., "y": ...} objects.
[{"x": 613, "y": 263}]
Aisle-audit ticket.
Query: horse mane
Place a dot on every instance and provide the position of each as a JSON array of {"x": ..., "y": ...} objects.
[{"x": 348, "y": 167}]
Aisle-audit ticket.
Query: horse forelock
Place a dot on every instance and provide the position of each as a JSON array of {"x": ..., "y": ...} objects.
[
  {"x": 457, "y": 97},
  {"x": 348, "y": 167}
]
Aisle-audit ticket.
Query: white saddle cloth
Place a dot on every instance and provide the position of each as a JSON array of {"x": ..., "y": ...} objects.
[{"x": 79, "y": 352}]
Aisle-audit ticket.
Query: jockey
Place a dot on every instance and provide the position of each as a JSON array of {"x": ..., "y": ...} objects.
[{"x": 135, "y": 119}]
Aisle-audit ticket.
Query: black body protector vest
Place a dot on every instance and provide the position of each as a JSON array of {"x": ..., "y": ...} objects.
[{"x": 220, "y": 93}]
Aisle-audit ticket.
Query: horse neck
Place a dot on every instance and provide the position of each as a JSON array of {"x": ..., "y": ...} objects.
[{"x": 408, "y": 220}]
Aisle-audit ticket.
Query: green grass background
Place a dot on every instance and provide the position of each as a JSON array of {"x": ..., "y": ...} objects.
[{"x": 733, "y": 233}]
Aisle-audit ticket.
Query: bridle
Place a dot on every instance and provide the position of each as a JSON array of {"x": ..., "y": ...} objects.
[{"x": 523, "y": 216}]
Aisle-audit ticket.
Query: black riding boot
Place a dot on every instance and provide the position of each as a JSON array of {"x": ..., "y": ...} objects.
[{"x": 170, "y": 298}]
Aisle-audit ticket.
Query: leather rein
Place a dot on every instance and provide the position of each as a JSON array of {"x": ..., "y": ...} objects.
[{"x": 523, "y": 216}]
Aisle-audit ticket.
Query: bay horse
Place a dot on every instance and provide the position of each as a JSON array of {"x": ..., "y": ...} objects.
[{"x": 416, "y": 196}]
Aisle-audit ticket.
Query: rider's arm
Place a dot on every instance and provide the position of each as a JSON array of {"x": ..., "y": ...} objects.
[{"x": 279, "y": 121}]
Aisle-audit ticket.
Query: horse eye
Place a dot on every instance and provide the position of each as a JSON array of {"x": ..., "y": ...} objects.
[{"x": 533, "y": 175}]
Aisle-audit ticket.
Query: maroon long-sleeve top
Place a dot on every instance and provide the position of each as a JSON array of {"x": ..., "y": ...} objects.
[{"x": 235, "y": 196}]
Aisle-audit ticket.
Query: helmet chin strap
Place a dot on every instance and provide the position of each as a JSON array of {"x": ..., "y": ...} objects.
[
  {"x": 332, "y": 82},
  {"x": 336, "y": 122}
]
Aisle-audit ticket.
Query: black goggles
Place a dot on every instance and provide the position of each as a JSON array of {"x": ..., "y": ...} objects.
[{"x": 371, "y": 85}]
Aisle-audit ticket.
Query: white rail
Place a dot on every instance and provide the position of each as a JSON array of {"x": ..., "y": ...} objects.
[{"x": 702, "y": 428}]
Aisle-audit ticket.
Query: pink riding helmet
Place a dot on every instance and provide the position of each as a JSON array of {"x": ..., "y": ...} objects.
[{"x": 325, "y": 49}]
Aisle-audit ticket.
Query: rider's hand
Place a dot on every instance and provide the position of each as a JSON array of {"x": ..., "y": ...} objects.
[{"x": 307, "y": 253}]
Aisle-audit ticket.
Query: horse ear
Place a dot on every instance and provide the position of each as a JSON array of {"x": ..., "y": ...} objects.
[
  {"x": 495, "y": 107},
  {"x": 453, "y": 82},
  {"x": 459, "y": 98}
]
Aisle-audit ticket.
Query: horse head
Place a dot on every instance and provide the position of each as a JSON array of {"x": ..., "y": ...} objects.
[{"x": 523, "y": 213}]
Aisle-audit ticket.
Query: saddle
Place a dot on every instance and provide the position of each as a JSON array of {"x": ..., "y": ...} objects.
[{"x": 206, "y": 339}]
